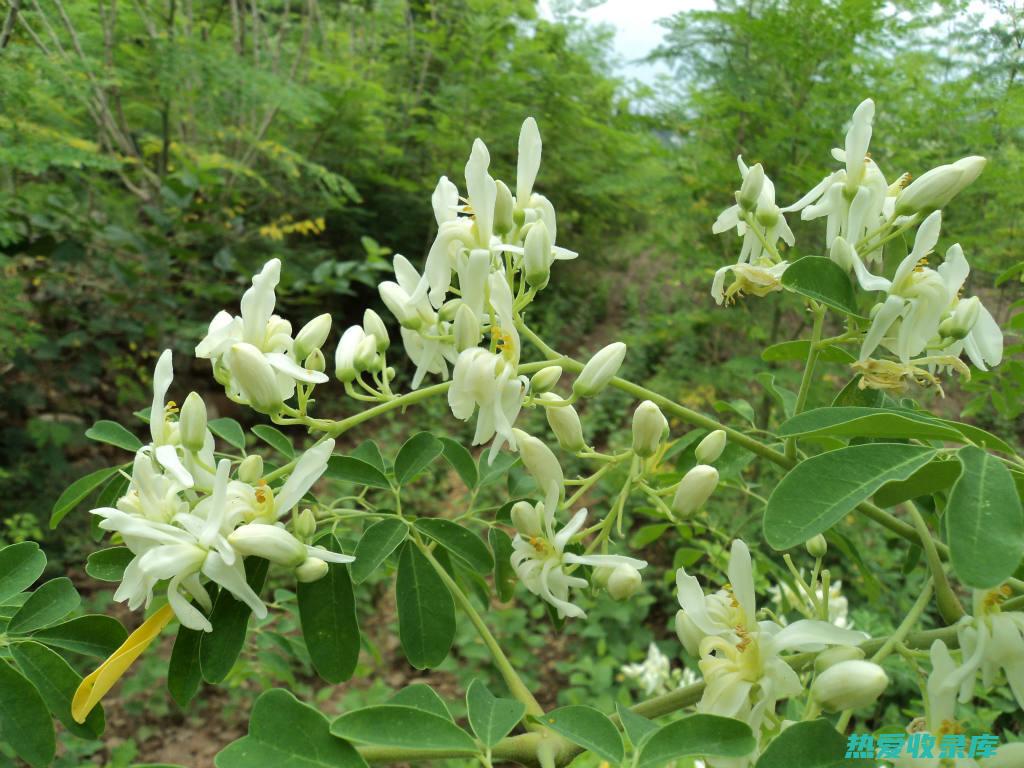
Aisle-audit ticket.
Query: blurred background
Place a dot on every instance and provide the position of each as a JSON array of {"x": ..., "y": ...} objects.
[{"x": 154, "y": 153}]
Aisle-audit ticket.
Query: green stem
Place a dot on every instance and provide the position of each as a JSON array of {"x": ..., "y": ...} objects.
[
  {"x": 949, "y": 606},
  {"x": 808, "y": 375},
  {"x": 515, "y": 684}
]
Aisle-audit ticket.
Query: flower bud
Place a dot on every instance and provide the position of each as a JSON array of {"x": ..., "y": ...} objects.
[
  {"x": 271, "y": 542},
  {"x": 255, "y": 378},
  {"x": 311, "y": 569},
  {"x": 345, "y": 368},
  {"x": 710, "y": 448},
  {"x": 312, "y": 335},
  {"x": 466, "y": 328},
  {"x": 366, "y": 353},
  {"x": 935, "y": 188},
  {"x": 624, "y": 582},
  {"x": 543, "y": 467},
  {"x": 600, "y": 370},
  {"x": 451, "y": 307},
  {"x": 545, "y": 379},
  {"x": 835, "y": 655},
  {"x": 694, "y": 490},
  {"x": 527, "y": 518},
  {"x": 315, "y": 361},
  {"x": 251, "y": 469},
  {"x": 649, "y": 428},
  {"x": 959, "y": 324},
  {"x": 816, "y": 546},
  {"x": 374, "y": 326},
  {"x": 849, "y": 685},
  {"x": 192, "y": 423},
  {"x": 689, "y": 635},
  {"x": 537, "y": 255},
  {"x": 600, "y": 575},
  {"x": 305, "y": 525},
  {"x": 503, "y": 205},
  {"x": 750, "y": 190},
  {"x": 399, "y": 304},
  {"x": 565, "y": 423}
]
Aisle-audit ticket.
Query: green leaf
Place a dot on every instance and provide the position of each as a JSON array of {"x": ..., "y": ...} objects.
[
  {"x": 24, "y": 720},
  {"x": 589, "y": 728},
  {"x": 285, "y": 733},
  {"x": 810, "y": 744},
  {"x": 91, "y": 635},
  {"x": 369, "y": 452},
  {"x": 867, "y": 422},
  {"x": 392, "y": 725},
  {"x": 327, "y": 612},
  {"x": 184, "y": 671},
  {"x": 637, "y": 727},
  {"x": 505, "y": 578},
  {"x": 426, "y": 611},
  {"x": 228, "y": 430},
  {"x": 461, "y": 460},
  {"x": 740, "y": 407},
  {"x": 491, "y": 718},
  {"x": 113, "y": 433},
  {"x": 818, "y": 492},
  {"x": 490, "y": 472},
  {"x": 460, "y": 541},
  {"x": 108, "y": 564},
  {"x": 77, "y": 492},
  {"x": 353, "y": 470},
  {"x": 219, "y": 649},
  {"x": 798, "y": 349},
  {"x": 422, "y": 696},
  {"x": 784, "y": 397},
  {"x": 821, "y": 279},
  {"x": 275, "y": 438},
  {"x": 697, "y": 735},
  {"x": 984, "y": 521},
  {"x": 20, "y": 565},
  {"x": 378, "y": 542},
  {"x": 417, "y": 453},
  {"x": 932, "y": 477},
  {"x": 56, "y": 683},
  {"x": 853, "y": 395},
  {"x": 54, "y": 600}
]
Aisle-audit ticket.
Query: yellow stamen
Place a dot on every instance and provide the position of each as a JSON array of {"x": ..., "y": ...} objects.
[{"x": 98, "y": 684}]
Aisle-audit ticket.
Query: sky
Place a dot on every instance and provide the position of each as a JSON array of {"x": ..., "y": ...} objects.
[{"x": 637, "y": 32}]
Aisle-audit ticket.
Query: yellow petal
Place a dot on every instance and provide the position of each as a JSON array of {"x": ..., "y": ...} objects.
[{"x": 98, "y": 684}]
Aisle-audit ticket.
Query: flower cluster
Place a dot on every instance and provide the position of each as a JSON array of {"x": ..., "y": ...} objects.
[
  {"x": 185, "y": 518},
  {"x": 921, "y": 317}
]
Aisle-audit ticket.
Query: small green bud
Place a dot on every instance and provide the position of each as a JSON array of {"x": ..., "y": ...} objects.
[
  {"x": 624, "y": 582},
  {"x": 311, "y": 569},
  {"x": 649, "y": 428},
  {"x": 305, "y": 525},
  {"x": 600, "y": 370},
  {"x": 251, "y": 468},
  {"x": 503, "y": 205},
  {"x": 312, "y": 335},
  {"x": 374, "y": 326},
  {"x": 544, "y": 379},
  {"x": 694, "y": 490},
  {"x": 192, "y": 423},
  {"x": 816, "y": 546},
  {"x": 710, "y": 448},
  {"x": 849, "y": 685},
  {"x": 565, "y": 423},
  {"x": 316, "y": 361}
]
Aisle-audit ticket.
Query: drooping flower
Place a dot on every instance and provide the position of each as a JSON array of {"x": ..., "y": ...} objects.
[{"x": 487, "y": 381}]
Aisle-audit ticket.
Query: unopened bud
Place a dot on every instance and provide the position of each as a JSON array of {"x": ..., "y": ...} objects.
[
  {"x": 624, "y": 582},
  {"x": 345, "y": 368},
  {"x": 503, "y": 205},
  {"x": 466, "y": 328},
  {"x": 527, "y": 518},
  {"x": 271, "y": 542},
  {"x": 192, "y": 423},
  {"x": 649, "y": 428},
  {"x": 565, "y": 423},
  {"x": 816, "y": 546},
  {"x": 315, "y": 361},
  {"x": 305, "y": 525},
  {"x": 366, "y": 353},
  {"x": 935, "y": 188},
  {"x": 600, "y": 370},
  {"x": 400, "y": 305},
  {"x": 849, "y": 685},
  {"x": 374, "y": 326},
  {"x": 537, "y": 255},
  {"x": 710, "y": 448},
  {"x": 750, "y": 190},
  {"x": 835, "y": 655},
  {"x": 251, "y": 469},
  {"x": 695, "y": 489},
  {"x": 689, "y": 634},
  {"x": 543, "y": 467},
  {"x": 544, "y": 379},
  {"x": 255, "y": 378},
  {"x": 311, "y": 569},
  {"x": 312, "y": 335},
  {"x": 959, "y": 324},
  {"x": 448, "y": 310},
  {"x": 600, "y": 575}
]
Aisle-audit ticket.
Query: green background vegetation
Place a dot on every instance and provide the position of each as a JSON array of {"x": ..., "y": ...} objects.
[{"x": 154, "y": 153}]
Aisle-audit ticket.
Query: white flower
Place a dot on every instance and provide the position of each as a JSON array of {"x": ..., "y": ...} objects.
[
  {"x": 769, "y": 224},
  {"x": 756, "y": 279},
  {"x": 262, "y": 504},
  {"x": 540, "y": 563},
  {"x": 256, "y": 325},
  {"x": 992, "y": 642},
  {"x": 196, "y": 544},
  {"x": 741, "y": 658},
  {"x": 274, "y": 543},
  {"x": 152, "y": 494},
  {"x": 487, "y": 381},
  {"x": 654, "y": 674}
]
